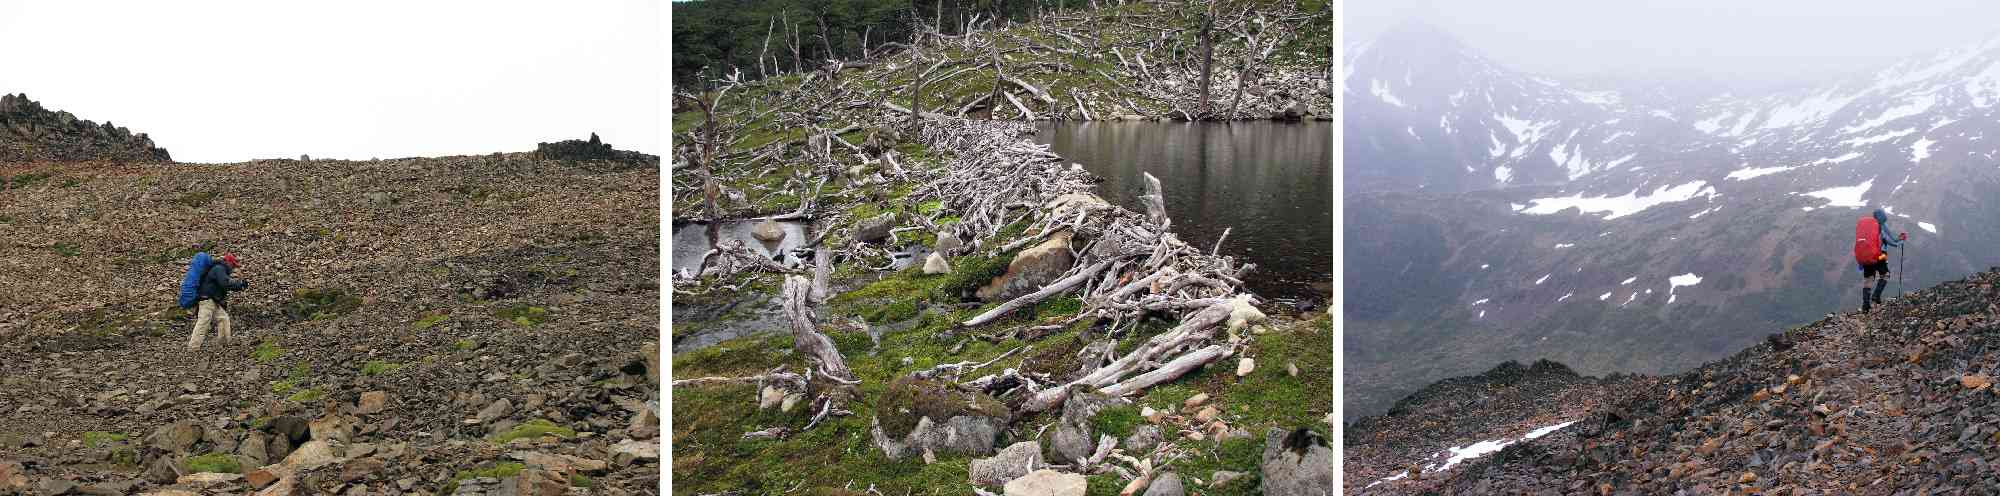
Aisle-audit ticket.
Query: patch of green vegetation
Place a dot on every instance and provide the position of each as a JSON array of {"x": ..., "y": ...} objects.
[
  {"x": 195, "y": 199},
  {"x": 534, "y": 429},
  {"x": 378, "y": 367},
  {"x": 67, "y": 249},
  {"x": 306, "y": 395},
  {"x": 430, "y": 321},
  {"x": 125, "y": 456},
  {"x": 930, "y": 207},
  {"x": 266, "y": 351},
  {"x": 212, "y": 462},
  {"x": 320, "y": 304},
  {"x": 283, "y": 386},
  {"x": 523, "y": 315},
  {"x": 98, "y": 439},
  {"x": 464, "y": 345},
  {"x": 1116, "y": 420},
  {"x": 908, "y": 399},
  {"x": 1244, "y": 454},
  {"x": 499, "y": 470},
  {"x": 70, "y": 183},
  {"x": 1063, "y": 307},
  {"x": 22, "y": 180},
  {"x": 580, "y": 480}
]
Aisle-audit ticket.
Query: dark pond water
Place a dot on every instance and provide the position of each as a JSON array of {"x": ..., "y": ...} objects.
[
  {"x": 1271, "y": 183},
  {"x": 691, "y": 241}
]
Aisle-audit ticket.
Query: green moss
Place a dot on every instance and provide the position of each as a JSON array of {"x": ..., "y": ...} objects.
[
  {"x": 580, "y": 480},
  {"x": 1240, "y": 455},
  {"x": 499, "y": 470},
  {"x": 266, "y": 351},
  {"x": 307, "y": 395},
  {"x": 523, "y": 315},
  {"x": 908, "y": 399},
  {"x": 534, "y": 429},
  {"x": 378, "y": 367},
  {"x": 98, "y": 439},
  {"x": 283, "y": 386},
  {"x": 125, "y": 456},
  {"x": 195, "y": 199},
  {"x": 320, "y": 304},
  {"x": 464, "y": 345},
  {"x": 1117, "y": 420},
  {"x": 67, "y": 249},
  {"x": 429, "y": 321},
  {"x": 212, "y": 462}
]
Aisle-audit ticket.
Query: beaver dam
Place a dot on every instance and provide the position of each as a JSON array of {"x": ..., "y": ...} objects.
[{"x": 930, "y": 301}]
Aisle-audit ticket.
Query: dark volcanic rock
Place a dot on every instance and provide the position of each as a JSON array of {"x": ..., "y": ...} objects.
[
  {"x": 594, "y": 149},
  {"x": 30, "y": 133}
]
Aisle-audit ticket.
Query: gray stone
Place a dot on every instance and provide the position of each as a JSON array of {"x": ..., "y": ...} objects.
[
  {"x": 1143, "y": 439},
  {"x": 1009, "y": 464},
  {"x": 254, "y": 447},
  {"x": 177, "y": 437},
  {"x": 1074, "y": 438},
  {"x": 875, "y": 228},
  {"x": 936, "y": 264},
  {"x": 1297, "y": 462},
  {"x": 768, "y": 231},
  {"x": 946, "y": 241},
  {"x": 1167, "y": 484},
  {"x": 294, "y": 429},
  {"x": 1047, "y": 482},
  {"x": 496, "y": 411}
]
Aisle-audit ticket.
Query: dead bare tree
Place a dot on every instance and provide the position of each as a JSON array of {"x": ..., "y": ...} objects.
[
  {"x": 767, "y": 48},
  {"x": 1207, "y": 60}
]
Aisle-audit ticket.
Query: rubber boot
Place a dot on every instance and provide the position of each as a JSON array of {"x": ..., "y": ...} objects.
[
  {"x": 1864, "y": 299},
  {"x": 1880, "y": 284}
]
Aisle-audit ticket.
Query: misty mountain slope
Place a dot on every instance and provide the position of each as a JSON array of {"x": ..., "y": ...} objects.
[
  {"x": 1732, "y": 214},
  {"x": 1897, "y": 401}
]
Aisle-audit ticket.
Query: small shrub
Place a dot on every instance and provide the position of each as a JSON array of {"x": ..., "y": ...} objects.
[
  {"x": 430, "y": 321},
  {"x": 523, "y": 315},
  {"x": 266, "y": 352},
  {"x": 212, "y": 462},
  {"x": 98, "y": 439},
  {"x": 378, "y": 367},
  {"x": 464, "y": 345},
  {"x": 306, "y": 396}
]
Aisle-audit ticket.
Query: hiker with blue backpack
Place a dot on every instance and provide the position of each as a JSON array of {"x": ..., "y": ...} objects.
[
  {"x": 206, "y": 287},
  {"x": 1871, "y": 233}
]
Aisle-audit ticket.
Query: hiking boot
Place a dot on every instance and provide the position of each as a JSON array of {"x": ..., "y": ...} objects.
[{"x": 1865, "y": 299}]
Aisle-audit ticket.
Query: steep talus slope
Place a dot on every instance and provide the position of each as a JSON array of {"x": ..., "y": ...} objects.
[
  {"x": 1889, "y": 402},
  {"x": 31, "y": 133},
  {"x": 1731, "y": 214},
  {"x": 405, "y": 321}
]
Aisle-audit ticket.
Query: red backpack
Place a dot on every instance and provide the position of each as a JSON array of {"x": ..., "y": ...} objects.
[{"x": 1867, "y": 241}]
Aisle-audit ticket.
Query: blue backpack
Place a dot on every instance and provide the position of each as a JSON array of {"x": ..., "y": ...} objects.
[{"x": 191, "y": 284}]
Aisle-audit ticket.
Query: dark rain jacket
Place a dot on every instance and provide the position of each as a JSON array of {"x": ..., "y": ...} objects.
[
  {"x": 216, "y": 285},
  {"x": 1888, "y": 238}
]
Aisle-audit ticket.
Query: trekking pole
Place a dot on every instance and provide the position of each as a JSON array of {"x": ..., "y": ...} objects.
[{"x": 1905, "y": 238}]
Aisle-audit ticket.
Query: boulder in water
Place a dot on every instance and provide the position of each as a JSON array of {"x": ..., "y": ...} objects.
[{"x": 768, "y": 231}]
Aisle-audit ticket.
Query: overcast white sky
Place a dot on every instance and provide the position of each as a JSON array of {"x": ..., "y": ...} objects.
[
  {"x": 1763, "y": 42},
  {"x": 228, "y": 81}
]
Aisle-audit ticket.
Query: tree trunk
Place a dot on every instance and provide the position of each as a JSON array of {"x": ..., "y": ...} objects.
[
  {"x": 806, "y": 338},
  {"x": 1207, "y": 59},
  {"x": 767, "y": 48}
]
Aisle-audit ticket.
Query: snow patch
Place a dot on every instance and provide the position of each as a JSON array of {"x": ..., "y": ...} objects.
[
  {"x": 1921, "y": 149},
  {"x": 1928, "y": 227},
  {"x": 1461, "y": 454},
  {"x": 1688, "y": 279},
  {"x": 1381, "y": 90},
  {"x": 1743, "y": 174},
  {"x": 1482, "y": 301},
  {"x": 1916, "y": 105},
  {"x": 1545, "y": 277},
  {"x": 1564, "y": 245},
  {"x": 1620, "y": 206},
  {"x": 1605, "y": 296},
  {"x": 1845, "y": 196},
  {"x": 1565, "y": 296},
  {"x": 1628, "y": 281}
]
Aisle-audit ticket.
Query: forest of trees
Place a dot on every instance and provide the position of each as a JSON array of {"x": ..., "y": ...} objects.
[{"x": 722, "y": 34}]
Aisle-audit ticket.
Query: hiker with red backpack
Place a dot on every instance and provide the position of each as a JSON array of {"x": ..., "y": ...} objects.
[
  {"x": 207, "y": 288},
  {"x": 1871, "y": 233}
]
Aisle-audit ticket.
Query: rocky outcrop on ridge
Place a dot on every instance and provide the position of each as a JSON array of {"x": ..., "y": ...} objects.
[{"x": 31, "y": 133}]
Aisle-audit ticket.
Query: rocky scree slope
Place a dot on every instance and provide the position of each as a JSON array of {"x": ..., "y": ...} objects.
[
  {"x": 31, "y": 133},
  {"x": 478, "y": 324},
  {"x": 1503, "y": 215},
  {"x": 1896, "y": 401}
]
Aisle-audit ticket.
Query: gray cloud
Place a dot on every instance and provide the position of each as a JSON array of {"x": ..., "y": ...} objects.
[{"x": 1745, "y": 44}]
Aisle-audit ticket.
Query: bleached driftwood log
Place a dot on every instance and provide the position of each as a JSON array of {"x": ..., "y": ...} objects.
[{"x": 806, "y": 338}]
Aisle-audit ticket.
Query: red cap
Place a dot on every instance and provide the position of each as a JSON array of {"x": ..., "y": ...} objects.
[{"x": 229, "y": 260}]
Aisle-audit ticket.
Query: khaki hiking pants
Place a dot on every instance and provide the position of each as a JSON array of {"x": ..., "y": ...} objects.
[{"x": 209, "y": 311}]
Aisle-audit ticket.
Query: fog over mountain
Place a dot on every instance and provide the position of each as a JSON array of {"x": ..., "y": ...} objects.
[{"x": 1742, "y": 45}]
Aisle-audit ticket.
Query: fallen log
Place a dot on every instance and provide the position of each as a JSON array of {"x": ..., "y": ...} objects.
[
  {"x": 1052, "y": 289},
  {"x": 806, "y": 338}
]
